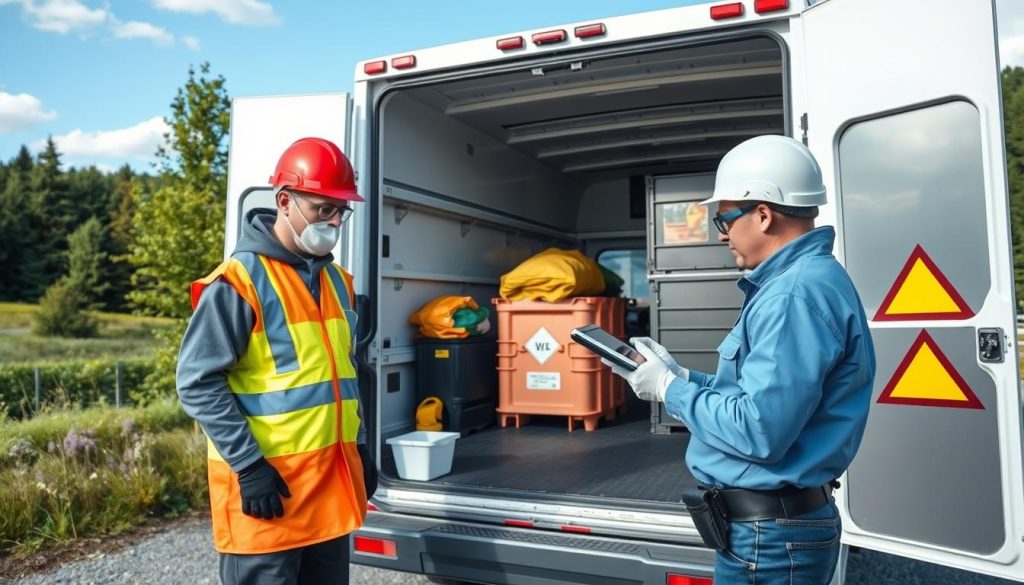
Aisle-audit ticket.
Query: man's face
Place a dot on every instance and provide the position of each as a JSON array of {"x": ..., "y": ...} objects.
[
  {"x": 315, "y": 209},
  {"x": 743, "y": 233}
]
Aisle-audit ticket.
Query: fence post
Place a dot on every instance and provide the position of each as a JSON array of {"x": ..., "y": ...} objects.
[
  {"x": 38, "y": 385},
  {"x": 117, "y": 384}
]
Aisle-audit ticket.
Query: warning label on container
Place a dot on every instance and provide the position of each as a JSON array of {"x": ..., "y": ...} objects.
[
  {"x": 543, "y": 380},
  {"x": 542, "y": 345}
]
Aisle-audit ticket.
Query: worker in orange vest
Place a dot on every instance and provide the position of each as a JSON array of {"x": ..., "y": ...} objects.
[{"x": 266, "y": 367}]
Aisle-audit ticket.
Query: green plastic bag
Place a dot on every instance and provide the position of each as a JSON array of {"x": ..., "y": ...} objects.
[
  {"x": 612, "y": 282},
  {"x": 475, "y": 321}
]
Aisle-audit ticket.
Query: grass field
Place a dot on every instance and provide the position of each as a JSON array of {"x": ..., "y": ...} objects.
[{"x": 121, "y": 336}]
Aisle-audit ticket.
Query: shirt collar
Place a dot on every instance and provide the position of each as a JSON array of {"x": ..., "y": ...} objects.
[{"x": 815, "y": 242}]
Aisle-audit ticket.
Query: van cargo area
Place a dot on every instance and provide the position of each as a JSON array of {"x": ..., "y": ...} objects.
[{"x": 591, "y": 150}]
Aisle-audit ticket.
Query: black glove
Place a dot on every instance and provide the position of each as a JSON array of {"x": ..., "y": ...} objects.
[
  {"x": 369, "y": 470},
  {"x": 262, "y": 487}
]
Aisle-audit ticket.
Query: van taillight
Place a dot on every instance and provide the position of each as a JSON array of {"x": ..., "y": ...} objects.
[
  {"x": 590, "y": 30},
  {"x": 686, "y": 580},
  {"x": 375, "y": 67},
  {"x": 727, "y": 11},
  {"x": 371, "y": 508},
  {"x": 762, "y": 6},
  {"x": 405, "y": 62},
  {"x": 551, "y": 36},
  {"x": 510, "y": 43},
  {"x": 375, "y": 546},
  {"x": 576, "y": 529},
  {"x": 518, "y": 523}
]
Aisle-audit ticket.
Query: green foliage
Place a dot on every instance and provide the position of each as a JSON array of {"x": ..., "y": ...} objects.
[
  {"x": 1013, "y": 119},
  {"x": 196, "y": 152},
  {"x": 120, "y": 337},
  {"x": 179, "y": 238},
  {"x": 64, "y": 313},
  {"x": 86, "y": 257},
  {"x": 179, "y": 227},
  {"x": 73, "y": 382},
  {"x": 20, "y": 261},
  {"x": 97, "y": 472}
]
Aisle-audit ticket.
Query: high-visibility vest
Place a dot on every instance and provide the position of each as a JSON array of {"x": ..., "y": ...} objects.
[{"x": 296, "y": 386}]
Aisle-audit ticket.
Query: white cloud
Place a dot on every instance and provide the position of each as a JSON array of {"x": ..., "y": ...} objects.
[
  {"x": 251, "y": 12},
  {"x": 1010, "y": 20},
  {"x": 62, "y": 16},
  {"x": 138, "y": 141},
  {"x": 190, "y": 42},
  {"x": 22, "y": 111},
  {"x": 143, "y": 30}
]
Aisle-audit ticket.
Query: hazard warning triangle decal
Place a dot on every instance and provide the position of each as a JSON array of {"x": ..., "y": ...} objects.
[
  {"x": 922, "y": 292},
  {"x": 926, "y": 377}
]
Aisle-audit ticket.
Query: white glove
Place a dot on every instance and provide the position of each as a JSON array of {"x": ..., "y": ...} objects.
[
  {"x": 662, "y": 353},
  {"x": 650, "y": 380}
]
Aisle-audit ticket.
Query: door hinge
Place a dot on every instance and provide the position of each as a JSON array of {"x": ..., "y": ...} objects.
[{"x": 803, "y": 127}]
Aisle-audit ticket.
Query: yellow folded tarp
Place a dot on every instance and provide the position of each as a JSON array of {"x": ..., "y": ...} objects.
[{"x": 552, "y": 276}]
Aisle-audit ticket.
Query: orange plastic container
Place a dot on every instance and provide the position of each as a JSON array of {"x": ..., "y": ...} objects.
[{"x": 541, "y": 371}]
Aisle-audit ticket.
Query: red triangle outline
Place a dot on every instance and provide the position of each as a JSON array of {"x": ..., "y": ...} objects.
[
  {"x": 887, "y": 398},
  {"x": 919, "y": 254}
]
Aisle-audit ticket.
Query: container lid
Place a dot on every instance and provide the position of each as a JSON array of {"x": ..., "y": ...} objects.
[{"x": 423, "y": 439}]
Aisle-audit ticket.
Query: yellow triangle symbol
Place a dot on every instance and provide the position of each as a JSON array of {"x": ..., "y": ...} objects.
[
  {"x": 921, "y": 293},
  {"x": 927, "y": 378}
]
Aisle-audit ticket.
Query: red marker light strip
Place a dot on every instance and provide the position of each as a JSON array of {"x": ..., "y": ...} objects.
[
  {"x": 552, "y": 36},
  {"x": 724, "y": 11}
]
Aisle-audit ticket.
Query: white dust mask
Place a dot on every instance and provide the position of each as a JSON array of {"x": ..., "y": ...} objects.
[{"x": 318, "y": 239}]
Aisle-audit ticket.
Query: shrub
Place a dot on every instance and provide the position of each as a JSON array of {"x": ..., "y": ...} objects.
[
  {"x": 73, "y": 382},
  {"x": 97, "y": 472},
  {"x": 62, "y": 313}
]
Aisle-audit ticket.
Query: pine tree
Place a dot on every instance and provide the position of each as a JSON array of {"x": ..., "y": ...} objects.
[
  {"x": 86, "y": 258},
  {"x": 20, "y": 262},
  {"x": 50, "y": 208},
  {"x": 121, "y": 237}
]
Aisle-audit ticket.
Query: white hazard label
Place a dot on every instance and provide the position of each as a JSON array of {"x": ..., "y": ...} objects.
[
  {"x": 542, "y": 345},
  {"x": 543, "y": 380}
]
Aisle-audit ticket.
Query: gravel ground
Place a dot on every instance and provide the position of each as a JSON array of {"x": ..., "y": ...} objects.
[{"x": 185, "y": 556}]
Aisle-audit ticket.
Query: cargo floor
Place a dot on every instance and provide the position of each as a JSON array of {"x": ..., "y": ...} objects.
[{"x": 621, "y": 459}]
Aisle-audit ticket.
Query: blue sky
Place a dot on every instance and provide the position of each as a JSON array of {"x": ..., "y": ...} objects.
[{"x": 98, "y": 75}]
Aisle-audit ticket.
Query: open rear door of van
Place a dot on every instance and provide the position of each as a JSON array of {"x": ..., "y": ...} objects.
[
  {"x": 904, "y": 112},
  {"x": 261, "y": 129}
]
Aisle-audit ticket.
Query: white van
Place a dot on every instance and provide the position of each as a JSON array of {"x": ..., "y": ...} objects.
[{"x": 476, "y": 155}]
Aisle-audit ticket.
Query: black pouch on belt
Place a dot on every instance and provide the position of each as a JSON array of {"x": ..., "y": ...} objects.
[{"x": 709, "y": 516}]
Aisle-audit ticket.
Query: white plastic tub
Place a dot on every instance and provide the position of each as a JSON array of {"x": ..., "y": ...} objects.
[{"x": 423, "y": 455}]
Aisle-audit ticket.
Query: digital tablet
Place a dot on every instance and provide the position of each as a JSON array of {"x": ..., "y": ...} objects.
[{"x": 607, "y": 345}]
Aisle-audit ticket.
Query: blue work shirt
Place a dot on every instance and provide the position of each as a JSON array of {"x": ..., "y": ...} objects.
[{"x": 790, "y": 399}]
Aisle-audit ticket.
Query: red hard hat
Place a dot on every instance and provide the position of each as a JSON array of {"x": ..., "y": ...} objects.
[{"x": 317, "y": 166}]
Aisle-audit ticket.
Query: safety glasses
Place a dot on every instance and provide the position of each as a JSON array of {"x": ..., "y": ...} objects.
[
  {"x": 326, "y": 212},
  {"x": 723, "y": 220}
]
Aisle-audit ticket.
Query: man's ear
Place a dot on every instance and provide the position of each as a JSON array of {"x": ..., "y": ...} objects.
[
  {"x": 765, "y": 215},
  {"x": 283, "y": 199}
]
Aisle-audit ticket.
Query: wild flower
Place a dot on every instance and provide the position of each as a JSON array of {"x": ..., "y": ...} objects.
[
  {"x": 75, "y": 443},
  {"x": 22, "y": 452}
]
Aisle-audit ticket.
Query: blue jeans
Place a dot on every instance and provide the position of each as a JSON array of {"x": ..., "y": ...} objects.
[{"x": 802, "y": 550}]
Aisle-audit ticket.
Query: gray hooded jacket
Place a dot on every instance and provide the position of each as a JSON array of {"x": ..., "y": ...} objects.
[{"x": 218, "y": 335}]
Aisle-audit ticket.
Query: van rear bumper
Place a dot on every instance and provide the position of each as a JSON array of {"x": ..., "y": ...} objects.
[{"x": 516, "y": 556}]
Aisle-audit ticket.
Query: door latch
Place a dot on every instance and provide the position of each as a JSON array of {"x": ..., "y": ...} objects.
[{"x": 990, "y": 345}]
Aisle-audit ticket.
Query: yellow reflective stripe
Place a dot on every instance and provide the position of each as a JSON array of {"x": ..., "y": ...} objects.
[
  {"x": 295, "y": 432},
  {"x": 349, "y": 420},
  {"x": 255, "y": 372}
]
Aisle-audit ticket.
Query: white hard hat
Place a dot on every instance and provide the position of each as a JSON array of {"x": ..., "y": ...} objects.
[{"x": 772, "y": 169}]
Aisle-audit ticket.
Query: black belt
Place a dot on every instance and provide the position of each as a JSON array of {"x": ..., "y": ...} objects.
[{"x": 742, "y": 505}]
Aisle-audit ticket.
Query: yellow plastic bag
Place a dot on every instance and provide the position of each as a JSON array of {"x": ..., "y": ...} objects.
[
  {"x": 553, "y": 275},
  {"x": 436, "y": 318}
]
